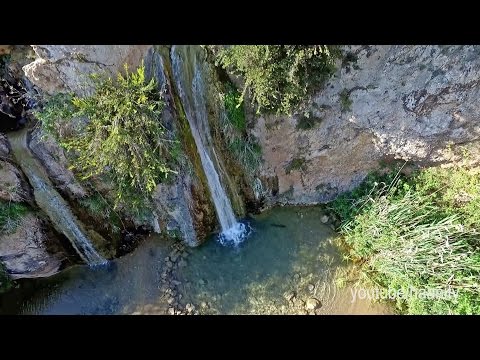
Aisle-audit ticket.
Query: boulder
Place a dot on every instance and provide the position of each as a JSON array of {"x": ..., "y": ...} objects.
[{"x": 24, "y": 251}]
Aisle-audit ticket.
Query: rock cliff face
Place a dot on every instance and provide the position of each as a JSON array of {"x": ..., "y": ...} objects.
[
  {"x": 23, "y": 251},
  {"x": 385, "y": 102},
  {"x": 66, "y": 67},
  {"x": 183, "y": 205}
]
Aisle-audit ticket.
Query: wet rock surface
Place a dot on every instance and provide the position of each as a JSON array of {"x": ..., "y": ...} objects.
[{"x": 24, "y": 252}]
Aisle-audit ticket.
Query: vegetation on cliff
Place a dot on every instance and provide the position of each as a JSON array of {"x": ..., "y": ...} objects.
[
  {"x": 242, "y": 145},
  {"x": 419, "y": 232},
  {"x": 10, "y": 215},
  {"x": 116, "y": 131},
  {"x": 279, "y": 77}
]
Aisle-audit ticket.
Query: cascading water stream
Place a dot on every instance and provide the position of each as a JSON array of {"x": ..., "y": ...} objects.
[
  {"x": 50, "y": 201},
  {"x": 191, "y": 88}
]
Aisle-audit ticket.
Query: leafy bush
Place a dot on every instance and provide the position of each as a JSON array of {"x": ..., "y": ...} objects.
[
  {"x": 122, "y": 135},
  {"x": 418, "y": 233},
  {"x": 98, "y": 207},
  {"x": 57, "y": 111},
  {"x": 279, "y": 76}
]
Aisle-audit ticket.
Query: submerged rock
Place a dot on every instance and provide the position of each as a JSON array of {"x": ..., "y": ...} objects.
[
  {"x": 289, "y": 295},
  {"x": 313, "y": 304},
  {"x": 204, "y": 305}
]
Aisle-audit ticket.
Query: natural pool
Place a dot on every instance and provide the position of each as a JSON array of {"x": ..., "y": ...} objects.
[{"x": 288, "y": 265}]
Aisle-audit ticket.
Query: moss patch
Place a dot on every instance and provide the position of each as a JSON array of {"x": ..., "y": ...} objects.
[
  {"x": 296, "y": 164},
  {"x": 307, "y": 122}
]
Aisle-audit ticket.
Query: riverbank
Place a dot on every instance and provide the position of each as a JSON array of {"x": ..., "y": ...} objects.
[{"x": 415, "y": 233}]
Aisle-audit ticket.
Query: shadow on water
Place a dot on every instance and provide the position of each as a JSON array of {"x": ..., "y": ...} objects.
[{"x": 103, "y": 289}]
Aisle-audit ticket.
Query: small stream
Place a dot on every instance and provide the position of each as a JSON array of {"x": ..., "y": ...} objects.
[
  {"x": 51, "y": 202},
  {"x": 289, "y": 252}
]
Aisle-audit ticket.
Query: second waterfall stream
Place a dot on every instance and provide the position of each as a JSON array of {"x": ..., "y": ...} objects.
[
  {"x": 51, "y": 202},
  {"x": 191, "y": 88}
]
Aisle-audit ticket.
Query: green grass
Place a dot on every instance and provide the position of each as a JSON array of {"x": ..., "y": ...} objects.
[
  {"x": 243, "y": 147},
  {"x": 234, "y": 108},
  {"x": 11, "y": 214},
  {"x": 4, "y": 60},
  {"x": 420, "y": 232}
]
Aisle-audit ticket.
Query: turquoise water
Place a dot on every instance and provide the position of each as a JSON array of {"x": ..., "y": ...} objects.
[{"x": 289, "y": 258}]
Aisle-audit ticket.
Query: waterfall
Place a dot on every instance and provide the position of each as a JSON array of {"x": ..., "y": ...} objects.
[
  {"x": 191, "y": 89},
  {"x": 50, "y": 201}
]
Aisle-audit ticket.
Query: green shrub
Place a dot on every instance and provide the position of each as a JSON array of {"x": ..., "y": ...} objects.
[
  {"x": 122, "y": 135},
  {"x": 234, "y": 108},
  {"x": 279, "y": 76},
  {"x": 98, "y": 207},
  {"x": 58, "y": 110},
  {"x": 11, "y": 214},
  {"x": 421, "y": 233}
]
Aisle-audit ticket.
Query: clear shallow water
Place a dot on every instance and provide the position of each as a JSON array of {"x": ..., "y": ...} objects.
[{"x": 289, "y": 251}]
